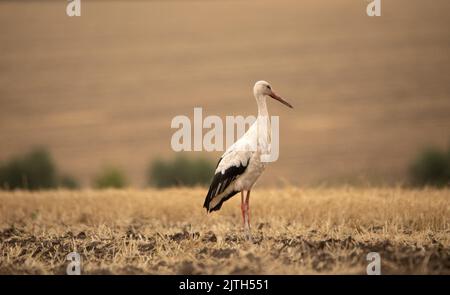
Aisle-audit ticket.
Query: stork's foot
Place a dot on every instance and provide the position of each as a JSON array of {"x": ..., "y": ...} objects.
[{"x": 248, "y": 233}]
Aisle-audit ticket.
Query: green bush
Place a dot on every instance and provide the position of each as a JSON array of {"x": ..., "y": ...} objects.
[
  {"x": 431, "y": 168},
  {"x": 68, "y": 182},
  {"x": 32, "y": 171},
  {"x": 181, "y": 171},
  {"x": 110, "y": 177}
]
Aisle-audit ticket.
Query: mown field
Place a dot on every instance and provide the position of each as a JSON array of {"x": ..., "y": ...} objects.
[{"x": 295, "y": 231}]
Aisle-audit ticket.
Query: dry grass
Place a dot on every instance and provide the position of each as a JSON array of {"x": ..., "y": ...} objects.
[{"x": 295, "y": 231}]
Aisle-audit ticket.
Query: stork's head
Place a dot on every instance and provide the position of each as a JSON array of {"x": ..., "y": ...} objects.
[{"x": 263, "y": 89}]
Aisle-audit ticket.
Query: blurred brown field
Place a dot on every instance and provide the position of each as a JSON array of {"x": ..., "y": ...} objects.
[
  {"x": 295, "y": 231},
  {"x": 369, "y": 93}
]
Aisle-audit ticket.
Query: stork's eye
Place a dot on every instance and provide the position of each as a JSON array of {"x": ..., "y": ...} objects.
[{"x": 268, "y": 86}]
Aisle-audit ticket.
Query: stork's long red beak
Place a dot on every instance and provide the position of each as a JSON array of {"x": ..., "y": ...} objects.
[{"x": 280, "y": 99}]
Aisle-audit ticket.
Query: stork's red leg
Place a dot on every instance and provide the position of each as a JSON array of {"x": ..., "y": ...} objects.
[
  {"x": 247, "y": 217},
  {"x": 247, "y": 207},
  {"x": 243, "y": 207}
]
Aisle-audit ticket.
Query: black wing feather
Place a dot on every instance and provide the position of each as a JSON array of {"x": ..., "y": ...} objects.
[{"x": 220, "y": 183}]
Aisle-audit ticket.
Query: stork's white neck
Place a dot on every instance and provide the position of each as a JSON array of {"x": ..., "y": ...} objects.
[
  {"x": 262, "y": 125},
  {"x": 262, "y": 106}
]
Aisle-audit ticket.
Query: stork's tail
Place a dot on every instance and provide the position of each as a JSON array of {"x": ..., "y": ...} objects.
[{"x": 215, "y": 203}]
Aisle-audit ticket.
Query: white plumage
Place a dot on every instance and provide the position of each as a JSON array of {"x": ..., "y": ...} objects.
[{"x": 240, "y": 166}]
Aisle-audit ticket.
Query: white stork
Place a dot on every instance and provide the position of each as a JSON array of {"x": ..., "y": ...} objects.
[{"x": 240, "y": 166}]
